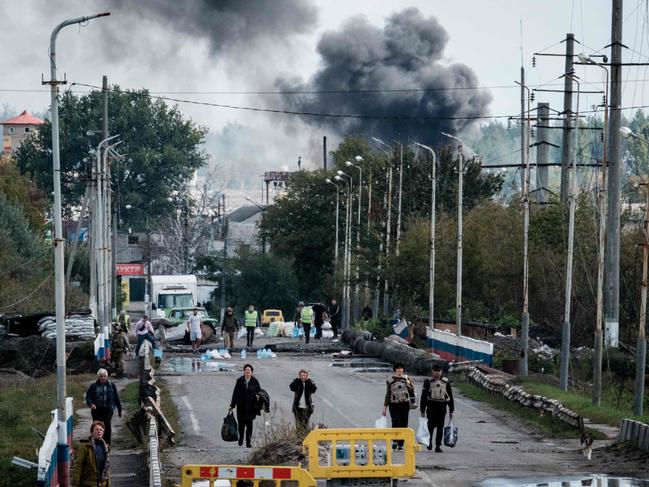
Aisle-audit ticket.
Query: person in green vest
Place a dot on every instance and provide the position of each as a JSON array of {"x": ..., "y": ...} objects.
[
  {"x": 250, "y": 321},
  {"x": 307, "y": 318},
  {"x": 124, "y": 321}
]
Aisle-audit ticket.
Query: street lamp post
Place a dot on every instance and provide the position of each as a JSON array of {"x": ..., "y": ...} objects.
[
  {"x": 341, "y": 176},
  {"x": 59, "y": 259},
  {"x": 329, "y": 181},
  {"x": 388, "y": 230},
  {"x": 458, "y": 280},
  {"x": 641, "y": 346},
  {"x": 431, "y": 259},
  {"x": 601, "y": 248},
  {"x": 565, "y": 338},
  {"x": 358, "y": 238}
]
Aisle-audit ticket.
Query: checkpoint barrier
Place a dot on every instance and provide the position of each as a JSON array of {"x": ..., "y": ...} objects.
[
  {"x": 48, "y": 454},
  {"x": 258, "y": 475},
  {"x": 372, "y": 455}
]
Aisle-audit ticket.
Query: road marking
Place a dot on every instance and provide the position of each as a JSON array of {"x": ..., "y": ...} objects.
[{"x": 192, "y": 417}]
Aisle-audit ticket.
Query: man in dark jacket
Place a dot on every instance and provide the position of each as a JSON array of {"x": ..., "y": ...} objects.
[
  {"x": 229, "y": 326},
  {"x": 244, "y": 398},
  {"x": 333, "y": 310},
  {"x": 302, "y": 388},
  {"x": 436, "y": 396},
  {"x": 318, "y": 319},
  {"x": 102, "y": 398}
]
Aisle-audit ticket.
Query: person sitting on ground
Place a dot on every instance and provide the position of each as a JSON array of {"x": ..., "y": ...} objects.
[
  {"x": 144, "y": 331},
  {"x": 91, "y": 464}
]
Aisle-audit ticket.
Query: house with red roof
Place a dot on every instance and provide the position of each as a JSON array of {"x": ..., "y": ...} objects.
[{"x": 17, "y": 129}]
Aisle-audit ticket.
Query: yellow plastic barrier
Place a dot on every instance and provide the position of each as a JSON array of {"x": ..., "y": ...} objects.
[
  {"x": 255, "y": 474},
  {"x": 360, "y": 453}
]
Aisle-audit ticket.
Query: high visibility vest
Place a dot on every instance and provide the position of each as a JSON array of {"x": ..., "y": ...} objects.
[
  {"x": 250, "y": 318},
  {"x": 125, "y": 321},
  {"x": 307, "y": 315}
]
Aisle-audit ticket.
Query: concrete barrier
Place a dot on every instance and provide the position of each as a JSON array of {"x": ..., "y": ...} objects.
[
  {"x": 635, "y": 433},
  {"x": 451, "y": 347},
  {"x": 47, "y": 474}
]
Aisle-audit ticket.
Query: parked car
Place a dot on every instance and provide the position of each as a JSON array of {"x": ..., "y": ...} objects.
[{"x": 271, "y": 315}]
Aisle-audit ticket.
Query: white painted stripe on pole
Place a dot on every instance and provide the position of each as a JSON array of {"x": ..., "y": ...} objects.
[
  {"x": 263, "y": 473},
  {"x": 192, "y": 416},
  {"x": 227, "y": 472}
]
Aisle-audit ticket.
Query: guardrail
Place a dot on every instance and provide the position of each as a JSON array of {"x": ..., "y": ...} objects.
[
  {"x": 360, "y": 453},
  {"x": 47, "y": 474},
  {"x": 634, "y": 432},
  {"x": 252, "y": 473},
  {"x": 155, "y": 470}
]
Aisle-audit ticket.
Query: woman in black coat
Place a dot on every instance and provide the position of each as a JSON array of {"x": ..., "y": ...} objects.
[
  {"x": 244, "y": 398},
  {"x": 302, "y": 388}
]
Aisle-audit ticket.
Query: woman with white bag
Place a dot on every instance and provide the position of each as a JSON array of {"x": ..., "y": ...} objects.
[
  {"x": 398, "y": 398},
  {"x": 436, "y": 396}
]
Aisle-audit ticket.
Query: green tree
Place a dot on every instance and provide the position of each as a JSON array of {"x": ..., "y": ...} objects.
[
  {"x": 21, "y": 191},
  {"x": 163, "y": 150}
]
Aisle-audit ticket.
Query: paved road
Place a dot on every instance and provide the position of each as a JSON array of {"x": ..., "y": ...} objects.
[{"x": 491, "y": 443}]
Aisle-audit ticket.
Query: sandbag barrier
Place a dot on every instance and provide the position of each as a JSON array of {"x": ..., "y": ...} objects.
[{"x": 497, "y": 385}]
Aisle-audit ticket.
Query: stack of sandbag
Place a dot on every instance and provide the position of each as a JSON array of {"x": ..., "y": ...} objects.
[{"x": 76, "y": 327}]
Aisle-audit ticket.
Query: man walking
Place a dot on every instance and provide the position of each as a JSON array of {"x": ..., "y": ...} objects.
[
  {"x": 102, "y": 398},
  {"x": 119, "y": 346},
  {"x": 250, "y": 321},
  {"x": 144, "y": 331},
  {"x": 194, "y": 323},
  {"x": 229, "y": 326},
  {"x": 297, "y": 316},
  {"x": 302, "y": 388},
  {"x": 318, "y": 319},
  {"x": 333, "y": 310},
  {"x": 435, "y": 398},
  {"x": 306, "y": 317}
]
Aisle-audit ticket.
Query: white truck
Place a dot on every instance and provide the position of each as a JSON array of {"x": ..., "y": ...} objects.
[{"x": 169, "y": 292}]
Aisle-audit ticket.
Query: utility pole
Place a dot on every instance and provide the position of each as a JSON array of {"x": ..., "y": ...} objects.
[
  {"x": 388, "y": 231},
  {"x": 399, "y": 203},
  {"x": 542, "y": 151},
  {"x": 225, "y": 257},
  {"x": 324, "y": 153},
  {"x": 566, "y": 147},
  {"x": 63, "y": 454},
  {"x": 612, "y": 264},
  {"x": 565, "y": 336},
  {"x": 641, "y": 346},
  {"x": 525, "y": 147}
]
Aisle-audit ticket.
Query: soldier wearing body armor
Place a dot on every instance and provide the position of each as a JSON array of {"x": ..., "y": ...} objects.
[
  {"x": 119, "y": 347},
  {"x": 435, "y": 398},
  {"x": 399, "y": 395}
]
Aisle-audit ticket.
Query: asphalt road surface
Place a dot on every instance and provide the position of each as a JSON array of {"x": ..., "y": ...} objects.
[{"x": 491, "y": 443}]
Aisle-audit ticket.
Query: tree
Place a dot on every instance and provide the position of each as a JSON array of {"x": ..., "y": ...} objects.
[
  {"x": 21, "y": 191},
  {"x": 162, "y": 149}
]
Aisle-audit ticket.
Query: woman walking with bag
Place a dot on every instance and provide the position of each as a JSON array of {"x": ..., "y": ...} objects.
[
  {"x": 399, "y": 396},
  {"x": 244, "y": 398}
]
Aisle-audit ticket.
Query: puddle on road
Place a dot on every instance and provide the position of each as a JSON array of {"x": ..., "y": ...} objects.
[
  {"x": 573, "y": 481},
  {"x": 194, "y": 365}
]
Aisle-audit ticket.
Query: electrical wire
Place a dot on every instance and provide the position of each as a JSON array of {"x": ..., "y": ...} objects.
[{"x": 30, "y": 294}]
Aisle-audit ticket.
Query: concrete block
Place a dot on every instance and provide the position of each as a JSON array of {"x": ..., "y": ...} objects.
[
  {"x": 633, "y": 434},
  {"x": 644, "y": 439},
  {"x": 621, "y": 437}
]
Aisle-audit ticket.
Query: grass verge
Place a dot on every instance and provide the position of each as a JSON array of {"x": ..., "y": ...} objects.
[
  {"x": 26, "y": 404},
  {"x": 547, "y": 425},
  {"x": 609, "y": 412},
  {"x": 169, "y": 409}
]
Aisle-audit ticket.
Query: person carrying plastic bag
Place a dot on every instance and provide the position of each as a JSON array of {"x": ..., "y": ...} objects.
[
  {"x": 400, "y": 390},
  {"x": 436, "y": 397}
]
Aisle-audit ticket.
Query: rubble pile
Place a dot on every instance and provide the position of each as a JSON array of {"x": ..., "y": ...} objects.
[{"x": 80, "y": 327}]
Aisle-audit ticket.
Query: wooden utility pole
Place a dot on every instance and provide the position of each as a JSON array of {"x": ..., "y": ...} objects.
[{"x": 525, "y": 318}]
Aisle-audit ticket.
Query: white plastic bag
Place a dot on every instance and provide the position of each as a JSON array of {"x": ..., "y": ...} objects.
[
  {"x": 382, "y": 422},
  {"x": 423, "y": 435},
  {"x": 242, "y": 332}
]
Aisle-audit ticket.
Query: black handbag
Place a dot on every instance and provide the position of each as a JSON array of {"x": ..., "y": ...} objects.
[
  {"x": 229, "y": 430},
  {"x": 187, "y": 338}
]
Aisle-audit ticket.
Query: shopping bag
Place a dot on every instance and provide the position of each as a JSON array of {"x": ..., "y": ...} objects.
[
  {"x": 423, "y": 435},
  {"x": 450, "y": 434},
  {"x": 187, "y": 338},
  {"x": 296, "y": 331},
  {"x": 229, "y": 430},
  {"x": 242, "y": 332},
  {"x": 382, "y": 422}
]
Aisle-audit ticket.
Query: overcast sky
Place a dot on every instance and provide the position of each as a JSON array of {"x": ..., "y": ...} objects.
[{"x": 187, "y": 48}]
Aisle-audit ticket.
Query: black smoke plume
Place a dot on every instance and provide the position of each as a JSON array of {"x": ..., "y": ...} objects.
[{"x": 405, "y": 55}]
